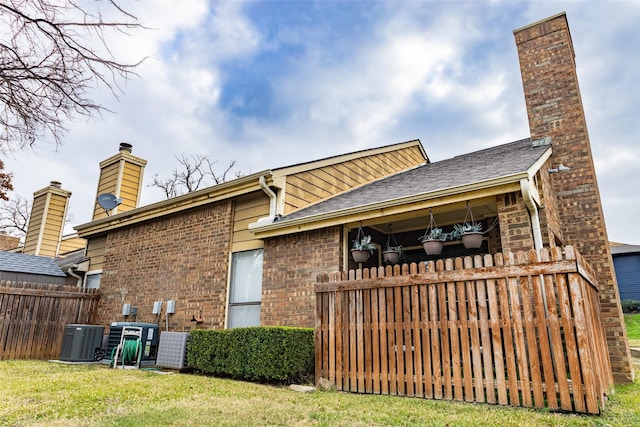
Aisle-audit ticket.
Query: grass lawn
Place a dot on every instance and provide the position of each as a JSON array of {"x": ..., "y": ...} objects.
[
  {"x": 632, "y": 321},
  {"x": 54, "y": 394}
]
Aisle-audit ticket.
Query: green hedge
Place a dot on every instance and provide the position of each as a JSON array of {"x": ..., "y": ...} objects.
[
  {"x": 259, "y": 354},
  {"x": 630, "y": 306}
]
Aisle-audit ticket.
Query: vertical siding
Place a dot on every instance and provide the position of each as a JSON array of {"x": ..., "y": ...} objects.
[{"x": 307, "y": 187}]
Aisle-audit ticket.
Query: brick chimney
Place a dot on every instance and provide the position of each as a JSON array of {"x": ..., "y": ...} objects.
[
  {"x": 554, "y": 108},
  {"x": 46, "y": 222},
  {"x": 120, "y": 175}
]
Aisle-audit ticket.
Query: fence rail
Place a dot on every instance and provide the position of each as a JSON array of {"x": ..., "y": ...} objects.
[
  {"x": 521, "y": 330},
  {"x": 33, "y": 317}
]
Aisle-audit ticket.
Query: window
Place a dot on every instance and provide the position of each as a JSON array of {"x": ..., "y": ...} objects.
[
  {"x": 245, "y": 291},
  {"x": 92, "y": 281}
]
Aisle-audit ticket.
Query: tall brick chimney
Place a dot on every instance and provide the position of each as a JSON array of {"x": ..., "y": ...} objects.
[
  {"x": 554, "y": 108},
  {"x": 120, "y": 175},
  {"x": 46, "y": 222}
]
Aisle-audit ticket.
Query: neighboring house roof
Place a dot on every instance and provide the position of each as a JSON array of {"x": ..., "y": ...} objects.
[
  {"x": 476, "y": 170},
  {"x": 71, "y": 258},
  {"x": 625, "y": 249},
  {"x": 32, "y": 264}
]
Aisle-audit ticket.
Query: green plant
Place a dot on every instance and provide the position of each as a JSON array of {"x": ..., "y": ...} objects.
[
  {"x": 467, "y": 227},
  {"x": 363, "y": 244},
  {"x": 434, "y": 234},
  {"x": 262, "y": 354},
  {"x": 630, "y": 306},
  {"x": 393, "y": 249}
]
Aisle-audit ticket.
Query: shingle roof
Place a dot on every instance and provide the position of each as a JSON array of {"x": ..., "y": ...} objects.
[
  {"x": 23, "y": 263},
  {"x": 625, "y": 249},
  {"x": 71, "y": 258},
  {"x": 491, "y": 163}
]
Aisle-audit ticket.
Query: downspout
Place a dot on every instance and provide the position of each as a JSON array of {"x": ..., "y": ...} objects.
[
  {"x": 272, "y": 203},
  {"x": 531, "y": 199},
  {"x": 72, "y": 274}
]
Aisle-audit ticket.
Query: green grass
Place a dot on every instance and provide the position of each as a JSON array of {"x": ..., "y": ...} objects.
[
  {"x": 632, "y": 321},
  {"x": 45, "y": 393}
]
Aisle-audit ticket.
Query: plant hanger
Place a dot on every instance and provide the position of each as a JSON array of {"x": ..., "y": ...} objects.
[
  {"x": 469, "y": 215},
  {"x": 391, "y": 240}
]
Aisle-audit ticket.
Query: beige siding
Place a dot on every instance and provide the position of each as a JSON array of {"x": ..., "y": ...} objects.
[
  {"x": 129, "y": 187},
  {"x": 71, "y": 244},
  {"x": 247, "y": 210},
  {"x": 308, "y": 187},
  {"x": 108, "y": 183},
  {"x": 35, "y": 222},
  {"x": 53, "y": 226},
  {"x": 95, "y": 251}
]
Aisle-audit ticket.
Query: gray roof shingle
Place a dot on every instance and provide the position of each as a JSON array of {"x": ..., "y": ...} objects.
[
  {"x": 490, "y": 163},
  {"x": 23, "y": 263}
]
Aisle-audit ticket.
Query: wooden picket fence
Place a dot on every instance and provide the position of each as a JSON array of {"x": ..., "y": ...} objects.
[
  {"x": 521, "y": 330},
  {"x": 33, "y": 317}
]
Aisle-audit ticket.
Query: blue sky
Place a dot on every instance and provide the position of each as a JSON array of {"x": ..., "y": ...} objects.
[{"x": 273, "y": 83}]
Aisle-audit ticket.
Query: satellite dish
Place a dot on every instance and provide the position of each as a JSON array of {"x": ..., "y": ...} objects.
[{"x": 108, "y": 202}]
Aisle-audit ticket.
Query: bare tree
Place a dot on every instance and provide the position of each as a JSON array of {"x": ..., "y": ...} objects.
[
  {"x": 51, "y": 53},
  {"x": 194, "y": 172},
  {"x": 14, "y": 216},
  {"x": 5, "y": 183}
]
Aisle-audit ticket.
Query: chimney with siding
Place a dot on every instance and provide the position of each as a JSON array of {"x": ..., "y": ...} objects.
[
  {"x": 554, "y": 108},
  {"x": 120, "y": 175},
  {"x": 46, "y": 222}
]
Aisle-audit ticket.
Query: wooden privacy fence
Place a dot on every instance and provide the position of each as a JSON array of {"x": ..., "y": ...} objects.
[
  {"x": 33, "y": 317},
  {"x": 520, "y": 330}
]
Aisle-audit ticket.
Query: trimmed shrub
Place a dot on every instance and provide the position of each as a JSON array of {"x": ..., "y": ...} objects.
[
  {"x": 630, "y": 306},
  {"x": 258, "y": 354}
]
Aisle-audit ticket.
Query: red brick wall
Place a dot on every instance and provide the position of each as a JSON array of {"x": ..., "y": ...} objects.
[
  {"x": 183, "y": 257},
  {"x": 549, "y": 220},
  {"x": 515, "y": 223},
  {"x": 292, "y": 264},
  {"x": 554, "y": 107}
]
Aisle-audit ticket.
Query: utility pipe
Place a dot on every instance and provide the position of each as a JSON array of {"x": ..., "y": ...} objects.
[
  {"x": 532, "y": 200},
  {"x": 272, "y": 204}
]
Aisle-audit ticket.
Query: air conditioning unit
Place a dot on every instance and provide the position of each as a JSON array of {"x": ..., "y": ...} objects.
[
  {"x": 150, "y": 338},
  {"x": 81, "y": 342},
  {"x": 172, "y": 351}
]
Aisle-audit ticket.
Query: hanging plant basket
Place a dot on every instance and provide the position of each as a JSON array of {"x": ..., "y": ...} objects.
[
  {"x": 392, "y": 250},
  {"x": 472, "y": 240},
  {"x": 470, "y": 231},
  {"x": 433, "y": 238},
  {"x": 391, "y": 256},
  {"x": 362, "y": 247},
  {"x": 360, "y": 255},
  {"x": 433, "y": 247}
]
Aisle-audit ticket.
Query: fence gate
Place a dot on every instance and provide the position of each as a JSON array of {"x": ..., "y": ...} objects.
[
  {"x": 521, "y": 330},
  {"x": 33, "y": 317}
]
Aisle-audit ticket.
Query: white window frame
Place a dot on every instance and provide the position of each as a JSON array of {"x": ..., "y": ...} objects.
[{"x": 252, "y": 297}]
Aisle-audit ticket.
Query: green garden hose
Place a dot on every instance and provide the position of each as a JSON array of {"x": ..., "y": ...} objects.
[{"x": 131, "y": 351}]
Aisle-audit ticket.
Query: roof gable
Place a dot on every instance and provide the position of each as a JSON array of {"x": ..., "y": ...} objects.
[{"x": 507, "y": 162}]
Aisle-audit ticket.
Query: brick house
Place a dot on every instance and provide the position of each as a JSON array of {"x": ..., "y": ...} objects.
[{"x": 247, "y": 252}]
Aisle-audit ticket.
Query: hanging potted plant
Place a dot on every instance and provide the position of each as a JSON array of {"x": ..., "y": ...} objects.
[
  {"x": 362, "y": 247},
  {"x": 433, "y": 241},
  {"x": 470, "y": 234},
  {"x": 392, "y": 250},
  {"x": 433, "y": 238},
  {"x": 470, "y": 231}
]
